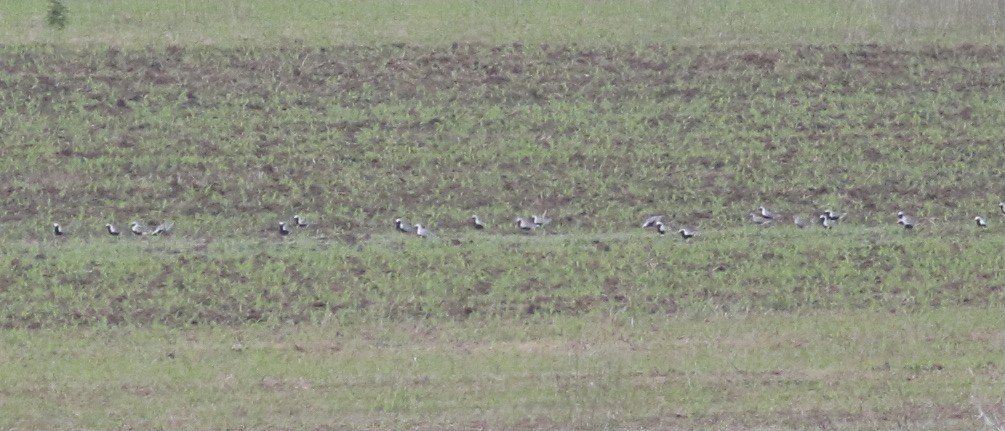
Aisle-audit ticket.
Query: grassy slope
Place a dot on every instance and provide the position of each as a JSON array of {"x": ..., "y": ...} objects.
[
  {"x": 179, "y": 281},
  {"x": 227, "y": 142},
  {"x": 599, "y": 137}
]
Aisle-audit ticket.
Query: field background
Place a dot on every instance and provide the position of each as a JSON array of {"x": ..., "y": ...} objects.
[
  {"x": 143, "y": 23},
  {"x": 227, "y": 117}
]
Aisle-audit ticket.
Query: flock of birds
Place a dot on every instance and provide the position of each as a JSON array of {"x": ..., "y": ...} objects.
[
  {"x": 135, "y": 227},
  {"x": 522, "y": 224},
  {"x": 298, "y": 221},
  {"x": 763, "y": 216}
]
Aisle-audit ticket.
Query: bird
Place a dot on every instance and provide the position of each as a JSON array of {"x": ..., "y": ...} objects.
[
  {"x": 767, "y": 214},
  {"x": 661, "y": 228},
  {"x": 57, "y": 229},
  {"x": 282, "y": 229},
  {"x": 1001, "y": 205},
  {"x": 759, "y": 219},
  {"x": 687, "y": 233},
  {"x": 834, "y": 215},
  {"x": 402, "y": 226},
  {"x": 800, "y": 222},
  {"x": 652, "y": 221},
  {"x": 477, "y": 222},
  {"x": 906, "y": 220},
  {"x": 421, "y": 231},
  {"x": 981, "y": 222},
  {"x": 139, "y": 230},
  {"x": 524, "y": 225},
  {"x": 540, "y": 220},
  {"x": 300, "y": 221},
  {"x": 112, "y": 229},
  {"x": 826, "y": 221},
  {"x": 163, "y": 228}
]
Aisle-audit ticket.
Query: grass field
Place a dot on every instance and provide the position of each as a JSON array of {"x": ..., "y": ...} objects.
[
  {"x": 442, "y": 22},
  {"x": 228, "y": 117},
  {"x": 846, "y": 370}
]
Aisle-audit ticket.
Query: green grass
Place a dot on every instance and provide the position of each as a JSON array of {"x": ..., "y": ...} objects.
[
  {"x": 697, "y": 370},
  {"x": 600, "y": 113},
  {"x": 184, "y": 280},
  {"x": 230, "y": 141},
  {"x": 439, "y": 22}
]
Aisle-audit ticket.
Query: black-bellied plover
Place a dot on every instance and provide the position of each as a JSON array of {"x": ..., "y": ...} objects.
[
  {"x": 57, "y": 229},
  {"x": 402, "y": 226},
  {"x": 687, "y": 233},
  {"x": 759, "y": 219},
  {"x": 524, "y": 225},
  {"x": 282, "y": 229},
  {"x": 826, "y": 222},
  {"x": 540, "y": 220},
  {"x": 162, "y": 229},
  {"x": 834, "y": 215},
  {"x": 1001, "y": 206},
  {"x": 651, "y": 221},
  {"x": 767, "y": 214},
  {"x": 136, "y": 229},
  {"x": 300, "y": 221},
  {"x": 477, "y": 222},
  {"x": 906, "y": 220},
  {"x": 112, "y": 229},
  {"x": 661, "y": 228},
  {"x": 421, "y": 231},
  {"x": 981, "y": 222}
]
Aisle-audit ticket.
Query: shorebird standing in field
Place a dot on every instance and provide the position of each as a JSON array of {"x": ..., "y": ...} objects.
[
  {"x": 652, "y": 221},
  {"x": 759, "y": 219},
  {"x": 767, "y": 214},
  {"x": 421, "y": 231},
  {"x": 826, "y": 222},
  {"x": 282, "y": 229},
  {"x": 402, "y": 226},
  {"x": 540, "y": 220},
  {"x": 687, "y": 233},
  {"x": 800, "y": 222},
  {"x": 906, "y": 220},
  {"x": 524, "y": 225},
  {"x": 477, "y": 222},
  {"x": 981, "y": 222},
  {"x": 162, "y": 229},
  {"x": 300, "y": 221},
  {"x": 1001, "y": 206},
  {"x": 834, "y": 215},
  {"x": 661, "y": 228},
  {"x": 112, "y": 229},
  {"x": 57, "y": 229},
  {"x": 138, "y": 230}
]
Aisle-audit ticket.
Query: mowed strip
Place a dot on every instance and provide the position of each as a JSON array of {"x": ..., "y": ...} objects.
[{"x": 872, "y": 369}]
